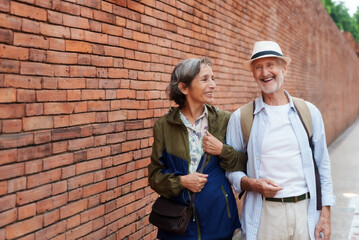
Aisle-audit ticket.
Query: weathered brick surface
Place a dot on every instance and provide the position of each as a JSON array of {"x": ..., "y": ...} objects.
[{"x": 83, "y": 82}]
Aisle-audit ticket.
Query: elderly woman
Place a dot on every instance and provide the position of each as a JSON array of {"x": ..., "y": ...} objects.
[{"x": 180, "y": 139}]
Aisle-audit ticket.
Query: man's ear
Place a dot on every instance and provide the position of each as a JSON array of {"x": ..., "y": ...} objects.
[{"x": 183, "y": 88}]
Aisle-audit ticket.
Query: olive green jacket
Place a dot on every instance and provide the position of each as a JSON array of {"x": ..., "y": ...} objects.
[{"x": 170, "y": 156}]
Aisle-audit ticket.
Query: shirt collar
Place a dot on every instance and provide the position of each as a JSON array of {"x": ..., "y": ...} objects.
[{"x": 259, "y": 103}]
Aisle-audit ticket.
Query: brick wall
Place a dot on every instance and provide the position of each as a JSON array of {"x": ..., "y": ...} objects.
[{"x": 82, "y": 83}]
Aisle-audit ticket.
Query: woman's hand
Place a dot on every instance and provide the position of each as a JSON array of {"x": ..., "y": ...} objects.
[
  {"x": 194, "y": 181},
  {"x": 211, "y": 144}
]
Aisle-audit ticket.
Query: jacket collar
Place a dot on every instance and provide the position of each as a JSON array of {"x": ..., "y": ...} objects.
[{"x": 173, "y": 116}]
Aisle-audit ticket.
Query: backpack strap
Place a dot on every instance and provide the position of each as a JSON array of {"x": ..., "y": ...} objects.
[
  {"x": 304, "y": 115},
  {"x": 306, "y": 119},
  {"x": 247, "y": 115}
]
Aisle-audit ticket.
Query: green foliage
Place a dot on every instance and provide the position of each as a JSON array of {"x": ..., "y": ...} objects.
[{"x": 341, "y": 17}]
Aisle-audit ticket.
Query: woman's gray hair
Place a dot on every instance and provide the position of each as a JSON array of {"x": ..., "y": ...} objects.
[{"x": 184, "y": 72}]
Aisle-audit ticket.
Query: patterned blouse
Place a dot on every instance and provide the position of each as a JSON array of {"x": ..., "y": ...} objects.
[{"x": 195, "y": 135}]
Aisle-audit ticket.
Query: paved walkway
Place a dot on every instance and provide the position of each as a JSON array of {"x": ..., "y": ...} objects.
[{"x": 344, "y": 155}]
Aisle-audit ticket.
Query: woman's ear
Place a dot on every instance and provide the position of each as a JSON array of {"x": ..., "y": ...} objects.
[{"x": 183, "y": 88}]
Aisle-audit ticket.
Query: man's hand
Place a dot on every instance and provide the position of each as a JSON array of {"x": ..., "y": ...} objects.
[
  {"x": 266, "y": 187},
  {"x": 211, "y": 144},
  {"x": 194, "y": 181},
  {"x": 323, "y": 227}
]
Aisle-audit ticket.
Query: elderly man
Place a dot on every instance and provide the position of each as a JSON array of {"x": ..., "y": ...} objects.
[{"x": 280, "y": 181}]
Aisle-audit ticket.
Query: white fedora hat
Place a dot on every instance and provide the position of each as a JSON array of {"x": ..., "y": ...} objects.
[{"x": 263, "y": 49}]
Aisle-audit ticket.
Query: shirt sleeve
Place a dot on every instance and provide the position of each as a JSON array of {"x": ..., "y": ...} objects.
[{"x": 234, "y": 138}]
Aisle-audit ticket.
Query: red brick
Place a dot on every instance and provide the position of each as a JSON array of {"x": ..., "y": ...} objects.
[
  {"x": 33, "y": 194},
  {"x": 62, "y": 71},
  {"x": 98, "y": 152},
  {"x": 7, "y": 202},
  {"x": 59, "y": 147},
  {"x": 92, "y": 214},
  {"x": 8, "y": 156},
  {"x": 88, "y": 166},
  {"x": 94, "y": 189},
  {"x": 33, "y": 68},
  {"x": 42, "y": 137},
  {"x": 66, "y": 133},
  {"x": 10, "y": 22},
  {"x": 95, "y": 37},
  {"x": 54, "y": 30},
  {"x": 59, "y": 187},
  {"x": 93, "y": 94},
  {"x": 57, "y": 161},
  {"x": 29, "y": 40},
  {"x": 16, "y": 184},
  {"x": 58, "y": 108},
  {"x": 72, "y": 83},
  {"x": 18, "y": 81},
  {"x": 51, "y": 217},
  {"x": 54, "y": 17},
  {"x": 39, "y": 151},
  {"x": 99, "y": 234},
  {"x": 50, "y": 95},
  {"x": 39, "y": 122},
  {"x": 79, "y": 231},
  {"x": 77, "y": 46},
  {"x": 10, "y": 171},
  {"x": 6, "y": 36},
  {"x": 30, "y": 26},
  {"x": 104, "y": 17},
  {"x": 68, "y": 171},
  {"x": 80, "y": 143},
  {"x": 13, "y": 52},
  {"x": 43, "y": 178},
  {"x": 24, "y": 227},
  {"x": 61, "y": 57},
  {"x": 34, "y": 109},
  {"x": 37, "y": 55},
  {"x": 75, "y": 194},
  {"x": 12, "y": 111},
  {"x": 51, "y": 231},
  {"x": 82, "y": 118},
  {"x": 8, "y": 217},
  {"x": 77, "y": 22},
  {"x": 28, "y": 11},
  {"x": 26, "y": 211},
  {"x": 73, "y": 208},
  {"x": 80, "y": 181},
  {"x": 61, "y": 121},
  {"x": 57, "y": 44},
  {"x": 51, "y": 203},
  {"x": 9, "y": 66},
  {"x": 24, "y": 95},
  {"x": 5, "y": 5},
  {"x": 82, "y": 71},
  {"x": 33, "y": 166},
  {"x": 115, "y": 215},
  {"x": 66, "y": 7}
]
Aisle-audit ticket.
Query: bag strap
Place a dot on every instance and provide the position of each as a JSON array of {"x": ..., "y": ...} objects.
[
  {"x": 247, "y": 116},
  {"x": 200, "y": 170},
  {"x": 306, "y": 119}
]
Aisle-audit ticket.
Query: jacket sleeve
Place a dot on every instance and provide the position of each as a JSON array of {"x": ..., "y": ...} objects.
[
  {"x": 165, "y": 184},
  {"x": 231, "y": 159}
]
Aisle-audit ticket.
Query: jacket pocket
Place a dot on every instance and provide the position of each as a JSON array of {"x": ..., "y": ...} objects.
[{"x": 227, "y": 203}]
